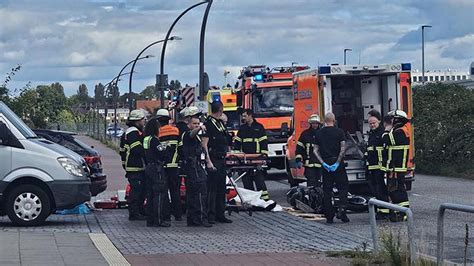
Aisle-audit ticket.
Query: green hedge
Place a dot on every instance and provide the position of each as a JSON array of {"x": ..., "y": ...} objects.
[{"x": 444, "y": 129}]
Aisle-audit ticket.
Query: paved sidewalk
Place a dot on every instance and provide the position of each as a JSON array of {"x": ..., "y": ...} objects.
[{"x": 48, "y": 248}]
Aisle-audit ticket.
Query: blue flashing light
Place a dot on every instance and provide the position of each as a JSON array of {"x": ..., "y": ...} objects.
[
  {"x": 406, "y": 66},
  {"x": 324, "y": 70},
  {"x": 175, "y": 98},
  {"x": 258, "y": 77},
  {"x": 216, "y": 97}
]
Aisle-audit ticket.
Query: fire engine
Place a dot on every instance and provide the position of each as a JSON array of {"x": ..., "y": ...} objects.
[
  {"x": 228, "y": 97},
  {"x": 350, "y": 92},
  {"x": 268, "y": 92}
]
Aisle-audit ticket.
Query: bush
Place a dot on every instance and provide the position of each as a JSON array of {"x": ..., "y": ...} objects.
[{"x": 444, "y": 129}]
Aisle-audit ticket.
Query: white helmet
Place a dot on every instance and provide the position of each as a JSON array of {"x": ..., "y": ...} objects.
[
  {"x": 136, "y": 115},
  {"x": 398, "y": 114},
  {"x": 189, "y": 111},
  {"x": 162, "y": 112},
  {"x": 314, "y": 118}
]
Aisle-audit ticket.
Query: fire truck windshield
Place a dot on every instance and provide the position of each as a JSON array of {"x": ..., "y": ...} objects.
[{"x": 273, "y": 101}]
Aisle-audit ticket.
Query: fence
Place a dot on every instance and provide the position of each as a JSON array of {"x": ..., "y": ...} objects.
[
  {"x": 440, "y": 242},
  {"x": 411, "y": 227}
]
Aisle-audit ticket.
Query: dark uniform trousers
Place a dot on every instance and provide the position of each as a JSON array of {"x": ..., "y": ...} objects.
[
  {"x": 174, "y": 183},
  {"x": 257, "y": 176},
  {"x": 158, "y": 204},
  {"x": 136, "y": 196},
  {"x": 196, "y": 192},
  {"x": 339, "y": 179},
  {"x": 313, "y": 176},
  {"x": 377, "y": 185},
  {"x": 396, "y": 188},
  {"x": 216, "y": 186}
]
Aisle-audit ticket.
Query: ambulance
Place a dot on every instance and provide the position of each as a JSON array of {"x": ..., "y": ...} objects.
[{"x": 350, "y": 92}]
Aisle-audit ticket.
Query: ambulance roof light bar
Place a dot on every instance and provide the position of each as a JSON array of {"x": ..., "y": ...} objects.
[{"x": 364, "y": 69}]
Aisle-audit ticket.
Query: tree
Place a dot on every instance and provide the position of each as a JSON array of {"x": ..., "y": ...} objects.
[
  {"x": 82, "y": 94},
  {"x": 443, "y": 120},
  {"x": 99, "y": 94},
  {"x": 51, "y": 100},
  {"x": 148, "y": 92}
]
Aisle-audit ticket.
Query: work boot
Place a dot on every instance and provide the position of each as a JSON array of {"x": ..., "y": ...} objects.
[
  {"x": 397, "y": 217},
  {"x": 329, "y": 220},
  {"x": 206, "y": 224},
  {"x": 381, "y": 216},
  {"x": 224, "y": 220},
  {"x": 137, "y": 217},
  {"x": 341, "y": 215},
  {"x": 164, "y": 224}
]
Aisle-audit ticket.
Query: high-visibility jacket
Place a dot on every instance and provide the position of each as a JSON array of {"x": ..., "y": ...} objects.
[
  {"x": 374, "y": 154},
  {"x": 305, "y": 148},
  {"x": 397, "y": 143},
  {"x": 169, "y": 135},
  {"x": 155, "y": 151},
  {"x": 251, "y": 139},
  {"x": 131, "y": 150}
]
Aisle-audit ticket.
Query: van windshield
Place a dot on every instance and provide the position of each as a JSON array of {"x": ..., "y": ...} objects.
[
  {"x": 274, "y": 101},
  {"x": 16, "y": 121}
]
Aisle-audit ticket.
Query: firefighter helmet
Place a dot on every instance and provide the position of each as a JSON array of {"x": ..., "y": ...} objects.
[
  {"x": 314, "y": 118},
  {"x": 400, "y": 118},
  {"x": 136, "y": 115},
  {"x": 162, "y": 112}
]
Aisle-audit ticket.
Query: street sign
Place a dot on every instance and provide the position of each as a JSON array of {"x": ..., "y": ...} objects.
[{"x": 203, "y": 106}]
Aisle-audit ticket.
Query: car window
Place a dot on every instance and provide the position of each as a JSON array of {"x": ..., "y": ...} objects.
[{"x": 74, "y": 147}]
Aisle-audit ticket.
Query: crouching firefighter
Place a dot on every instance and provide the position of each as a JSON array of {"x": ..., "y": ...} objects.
[
  {"x": 397, "y": 143},
  {"x": 132, "y": 154},
  {"x": 156, "y": 153},
  {"x": 196, "y": 178},
  {"x": 305, "y": 152}
]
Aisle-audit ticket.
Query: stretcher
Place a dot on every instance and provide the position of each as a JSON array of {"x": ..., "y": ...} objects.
[{"x": 238, "y": 164}]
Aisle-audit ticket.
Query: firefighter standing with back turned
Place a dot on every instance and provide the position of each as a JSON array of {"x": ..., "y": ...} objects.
[
  {"x": 251, "y": 138},
  {"x": 215, "y": 145},
  {"x": 156, "y": 155},
  {"x": 132, "y": 154},
  {"x": 305, "y": 155},
  {"x": 374, "y": 158},
  {"x": 397, "y": 143},
  {"x": 169, "y": 135}
]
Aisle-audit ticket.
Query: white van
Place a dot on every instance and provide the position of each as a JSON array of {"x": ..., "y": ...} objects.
[{"x": 37, "y": 176}]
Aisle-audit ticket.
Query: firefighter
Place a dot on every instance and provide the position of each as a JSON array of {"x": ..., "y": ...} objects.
[
  {"x": 196, "y": 178},
  {"x": 397, "y": 143},
  {"x": 251, "y": 138},
  {"x": 215, "y": 146},
  {"x": 169, "y": 135},
  {"x": 305, "y": 153},
  {"x": 157, "y": 155},
  {"x": 132, "y": 154},
  {"x": 329, "y": 148},
  {"x": 374, "y": 159}
]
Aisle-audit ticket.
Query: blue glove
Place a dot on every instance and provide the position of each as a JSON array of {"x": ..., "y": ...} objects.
[
  {"x": 334, "y": 167},
  {"x": 299, "y": 165},
  {"x": 327, "y": 167}
]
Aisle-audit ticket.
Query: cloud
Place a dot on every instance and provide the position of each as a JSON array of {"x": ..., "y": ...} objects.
[{"x": 89, "y": 41}]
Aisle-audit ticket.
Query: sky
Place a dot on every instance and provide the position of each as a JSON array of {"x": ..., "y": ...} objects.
[{"x": 88, "y": 41}]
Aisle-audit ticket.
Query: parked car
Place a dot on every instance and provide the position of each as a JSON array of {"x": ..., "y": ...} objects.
[
  {"x": 111, "y": 132},
  {"x": 90, "y": 155},
  {"x": 37, "y": 176}
]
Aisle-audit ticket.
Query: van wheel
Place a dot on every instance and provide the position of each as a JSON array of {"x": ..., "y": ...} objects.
[{"x": 28, "y": 205}]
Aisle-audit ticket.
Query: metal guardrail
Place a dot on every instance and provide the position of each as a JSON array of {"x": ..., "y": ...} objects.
[
  {"x": 440, "y": 243},
  {"x": 411, "y": 227}
]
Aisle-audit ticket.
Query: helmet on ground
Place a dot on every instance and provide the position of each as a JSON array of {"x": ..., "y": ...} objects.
[
  {"x": 314, "y": 118},
  {"x": 136, "y": 115},
  {"x": 295, "y": 193},
  {"x": 162, "y": 112}
]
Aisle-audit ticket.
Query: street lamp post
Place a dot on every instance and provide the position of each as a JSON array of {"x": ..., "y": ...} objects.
[
  {"x": 203, "y": 78},
  {"x": 423, "y": 52},
  {"x": 345, "y": 50},
  {"x": 135, "y": 62},
  {"x": 160, "y": 79}
]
